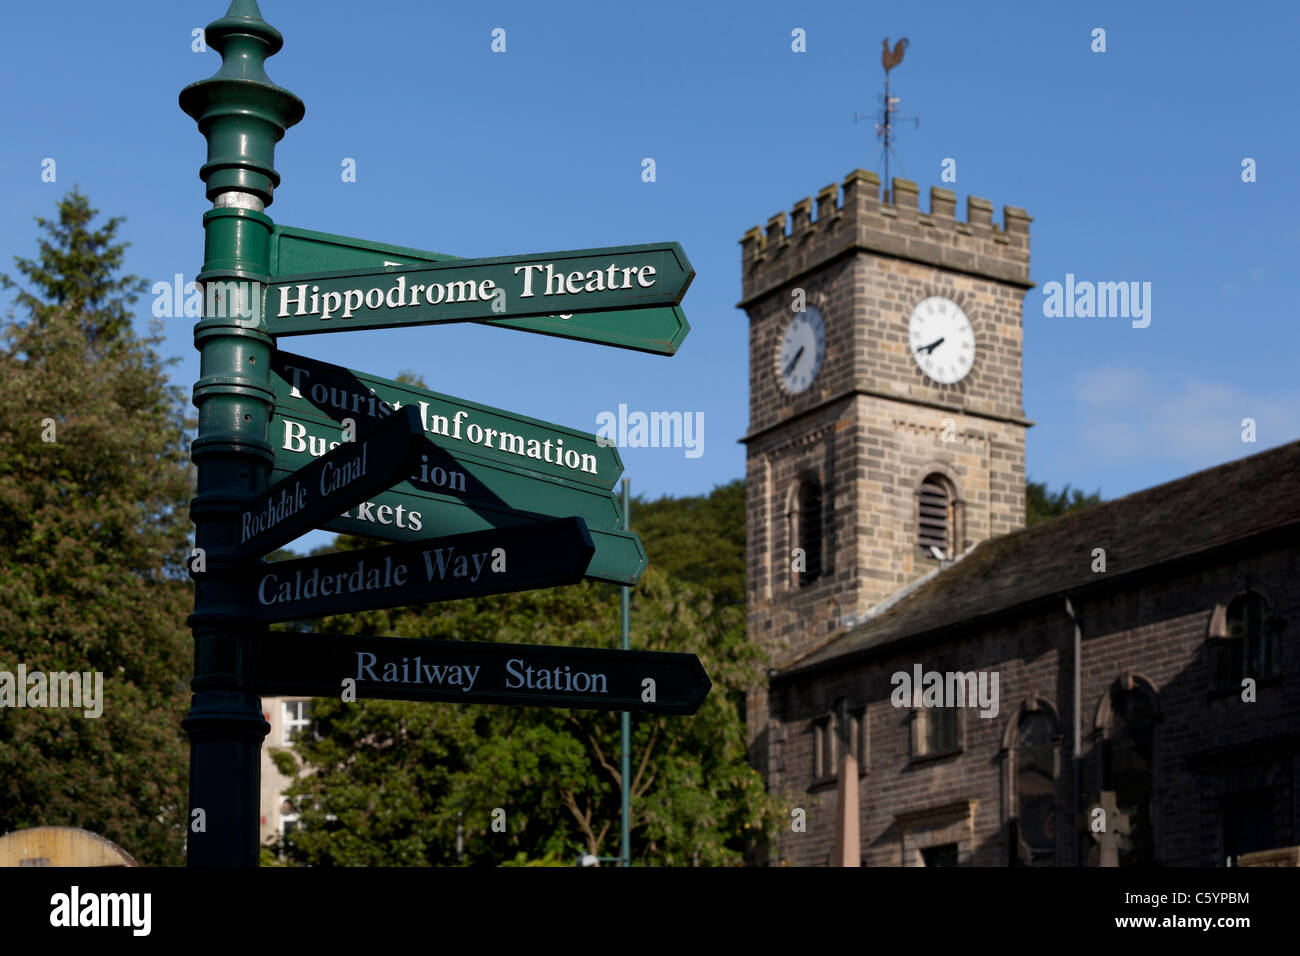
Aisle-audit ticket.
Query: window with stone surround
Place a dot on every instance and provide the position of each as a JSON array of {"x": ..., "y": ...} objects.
[
  {"x": 937, "y": 517},
  {"x": 830, "y": 733},
  {"x": 808, "y": 529},
  {"x": 1128, "y": 768},
  {"x": 1242, "y": 642},
  {"x": 943, "y": 855},
  {"x": 936, "y": 731},
  {"x": 937, "y": 836},
  {"x": 1037, "y": 758}
]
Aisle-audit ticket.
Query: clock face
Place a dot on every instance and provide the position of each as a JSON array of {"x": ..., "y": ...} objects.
[
  {"x": 802, "y": 349},
  {"x": 941, "y": 340}
]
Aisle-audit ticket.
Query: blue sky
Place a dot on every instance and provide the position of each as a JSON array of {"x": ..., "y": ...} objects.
[{"x": 1129, "y": 161}]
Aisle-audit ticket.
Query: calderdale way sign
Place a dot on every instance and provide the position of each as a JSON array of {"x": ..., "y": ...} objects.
[
  {"x": 546, "y": 554},
  {"x": 332, "y": 484},
  {"x": 399, "y": 668},
  {"x": 659, "y": 331},
  {"x": 459, "y": 290}
]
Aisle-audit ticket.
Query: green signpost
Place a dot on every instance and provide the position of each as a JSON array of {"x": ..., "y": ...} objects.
[{"x": 477, "y": 500}]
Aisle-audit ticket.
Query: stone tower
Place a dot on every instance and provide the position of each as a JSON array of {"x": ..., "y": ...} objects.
[{"x": 886, "y": 433}]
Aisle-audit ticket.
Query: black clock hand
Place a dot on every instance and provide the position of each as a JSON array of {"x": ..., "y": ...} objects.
[
  {"x": 931, "y": 347},
  {"x": 793, "y": 362}
]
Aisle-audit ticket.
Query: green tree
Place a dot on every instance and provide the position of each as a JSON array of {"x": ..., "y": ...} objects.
[
  {"x": 1041, "y": 503},
  {"x": 391, "y": 782},
  {"x": 698, "y": 539},
  {"x": 94, "y": 481}
]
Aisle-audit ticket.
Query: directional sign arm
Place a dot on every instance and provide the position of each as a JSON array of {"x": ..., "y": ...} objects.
[
  {"x": 327, "y": 487},
  {"x": 465, "y": 672},
  {"x": 502, "y": 560},
  {"x": 460, "y": 290},
  {"x": 658, "y": 331}
]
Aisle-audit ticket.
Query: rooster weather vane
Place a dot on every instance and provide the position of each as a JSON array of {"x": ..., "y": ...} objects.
[{"x": 885, "y": 127}]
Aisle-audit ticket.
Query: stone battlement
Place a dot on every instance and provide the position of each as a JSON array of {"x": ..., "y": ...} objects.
[{"x": 859, "y": 220}]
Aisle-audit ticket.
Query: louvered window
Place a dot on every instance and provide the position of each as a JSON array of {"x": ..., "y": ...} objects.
[
  {"x": 937, "y": 515},
  {"x": 810, "y": 531}
]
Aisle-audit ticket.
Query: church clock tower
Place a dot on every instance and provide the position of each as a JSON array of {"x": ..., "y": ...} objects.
[{"x": 886, "y": 433}]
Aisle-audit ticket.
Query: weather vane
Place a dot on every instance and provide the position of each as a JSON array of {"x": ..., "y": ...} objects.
[{"x": 885, "y": 128}]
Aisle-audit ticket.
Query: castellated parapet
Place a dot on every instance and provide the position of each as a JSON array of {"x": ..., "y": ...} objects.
[{"x": 860, "y": 221}]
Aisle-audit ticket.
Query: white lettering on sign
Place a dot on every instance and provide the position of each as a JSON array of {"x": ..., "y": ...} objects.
[
  {"x": 272, "y": 590},
  {"x": 296, "y": 300},
  {"x": 612, "y": 278},
  {"x": 386, "y": 515},
  {"x": 334, "y": 478},
  {"x": 454, "y": 675},
  {"x": 456, "y": 426},
  {"x": 444, "y": 561},
  {"x": 287, "y": 503},
  {"x": 304, "y": 299},
  {"x": 522, "y": 676}
]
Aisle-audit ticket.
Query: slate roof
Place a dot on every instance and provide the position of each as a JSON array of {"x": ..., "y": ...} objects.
[{"x": 1140, "y": 531}]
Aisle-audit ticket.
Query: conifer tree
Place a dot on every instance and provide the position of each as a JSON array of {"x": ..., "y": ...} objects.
[{"x": 94, "y": 485}]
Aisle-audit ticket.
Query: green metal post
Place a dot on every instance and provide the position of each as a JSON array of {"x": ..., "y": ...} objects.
[
  {"x": 242, "y": 114},
  {"x": 625, "y": 719}
]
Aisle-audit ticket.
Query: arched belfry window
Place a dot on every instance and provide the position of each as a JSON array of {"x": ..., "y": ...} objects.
[
  {"x": 808, "y": 529},
  {"x": 937, "y": 517}
]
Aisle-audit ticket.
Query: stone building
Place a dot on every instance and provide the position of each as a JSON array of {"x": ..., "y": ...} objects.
[
  {"x": 1118, "y": 686},
  {"x": 288, "y": 717}
]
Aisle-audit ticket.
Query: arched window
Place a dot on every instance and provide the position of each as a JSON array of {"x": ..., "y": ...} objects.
[
  {"x": 1036, "y": 790},
  {"x": 1247, "y": 645},
  {"x": 1129, "y": 770},
  {"x": 937, "y": 517},
  {"x": 808, "y": 525}
]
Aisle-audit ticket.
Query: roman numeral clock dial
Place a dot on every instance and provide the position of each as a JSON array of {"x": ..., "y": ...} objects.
[
  {"x": 802, "y": 349},
  {"x": 941, "y": 340}
]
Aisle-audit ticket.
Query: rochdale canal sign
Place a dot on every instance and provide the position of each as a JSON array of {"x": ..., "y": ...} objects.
[
  {"x": 404, "y": 668},
  {"x": 346, "y": 476},
  {"x": 477, "y": 500}
]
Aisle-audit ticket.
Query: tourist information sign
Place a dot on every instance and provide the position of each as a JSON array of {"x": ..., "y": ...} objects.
[
  {"x": 459, "y": 290},
  {"x": 330, "y": 485},
  {"x": 659, "y": 331},
  {"x": 317, "y": 391},
  {"x": 520, "y": 558},
  {"x": 403, "y": 668},
  {"x": 478, "y": 468}
]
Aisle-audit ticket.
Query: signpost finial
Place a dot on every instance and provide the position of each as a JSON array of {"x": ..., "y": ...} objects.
[{"x": 240, "y": 91}]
